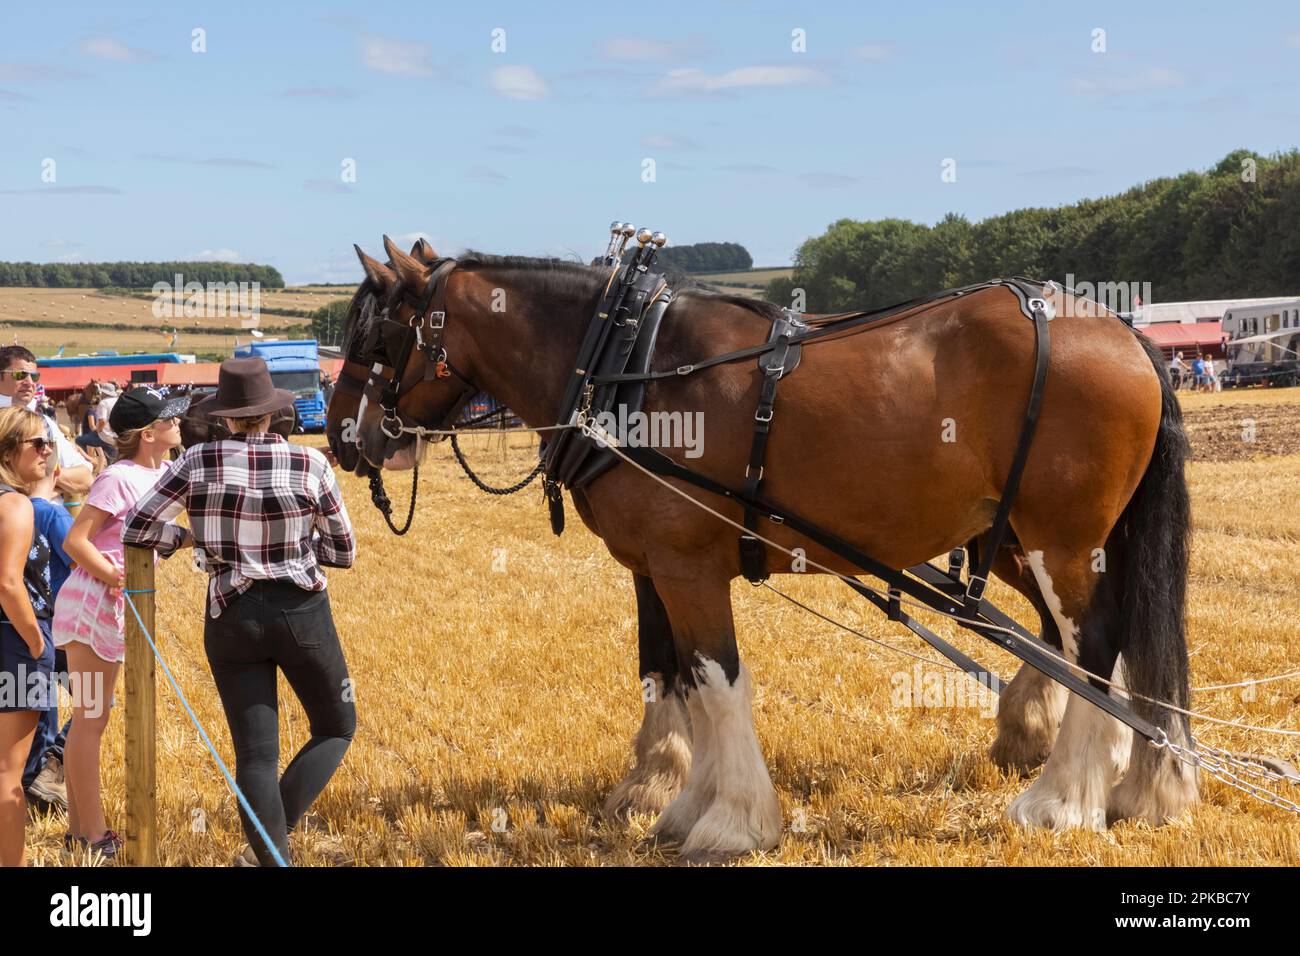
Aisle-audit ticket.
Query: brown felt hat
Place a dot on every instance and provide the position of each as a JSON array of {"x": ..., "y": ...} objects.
[{"x": 244, "y": 389}]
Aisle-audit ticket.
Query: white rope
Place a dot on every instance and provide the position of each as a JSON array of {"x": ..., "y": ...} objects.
[
  {"x": 1248, "y": 683},
  {"x": 596, "y": 432}
]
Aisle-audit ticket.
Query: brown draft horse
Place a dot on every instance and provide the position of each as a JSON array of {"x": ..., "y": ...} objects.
[
  {"x": 77, "y": 405},
  {"x": 898, "y": 439}
]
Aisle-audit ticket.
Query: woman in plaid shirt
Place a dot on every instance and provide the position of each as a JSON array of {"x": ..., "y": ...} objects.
[{"x": 266, "y": 515}]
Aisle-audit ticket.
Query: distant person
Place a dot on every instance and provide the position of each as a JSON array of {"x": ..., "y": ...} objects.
[
  {"x": 1177, "y": 369},
  {"x": 100, "y": 434},
  {"x": 268, "y": 609},
  {"x": 1198, "y": 372}
]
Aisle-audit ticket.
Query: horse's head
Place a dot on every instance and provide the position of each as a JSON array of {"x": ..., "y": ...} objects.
[
  {"x": 396, "y": 370},
  {"x": 92, "y": 395}
]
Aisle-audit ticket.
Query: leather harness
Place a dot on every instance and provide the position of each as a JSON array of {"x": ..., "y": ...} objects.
[{"x": 613, "y": 365}]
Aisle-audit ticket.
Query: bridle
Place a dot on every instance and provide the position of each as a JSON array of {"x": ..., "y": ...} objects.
[
  {"x": 389, "y": 343},
  {"x": 387, "y": 349}
]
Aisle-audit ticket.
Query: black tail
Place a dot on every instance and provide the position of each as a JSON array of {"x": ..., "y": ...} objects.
[{"x": 1157, "y": 526}]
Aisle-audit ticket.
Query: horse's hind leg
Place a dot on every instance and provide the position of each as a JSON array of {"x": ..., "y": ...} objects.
[
  {"x": 728, "y": 806},
  {"x": 1091, "y": 750},
  {"x": 662, "y": 747},
  {"x": 1030, "y": 708}
]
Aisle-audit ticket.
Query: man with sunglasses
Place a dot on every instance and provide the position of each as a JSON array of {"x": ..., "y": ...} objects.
[{"x": 18, "y": 379}]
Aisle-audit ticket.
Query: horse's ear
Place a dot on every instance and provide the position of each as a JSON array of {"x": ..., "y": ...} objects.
[
  {"x": 378, "y": 273},
  {"x": 422, "y": 250},
  {"x": 410, "y": 271}
]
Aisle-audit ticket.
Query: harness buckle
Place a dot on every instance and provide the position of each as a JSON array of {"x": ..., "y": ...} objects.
[
  {"x": 442, "y": 320},
  {"x": 390, "y": 415},
  {"x": 760, "y": 472},
  {"x": 685, "y": 369},
  {"x": 759, "y": 417}
]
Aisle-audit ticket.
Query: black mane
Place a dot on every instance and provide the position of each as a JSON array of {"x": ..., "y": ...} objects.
[
  {"x": 564, "y": 278},
  {"x": 568, "y": 277}
]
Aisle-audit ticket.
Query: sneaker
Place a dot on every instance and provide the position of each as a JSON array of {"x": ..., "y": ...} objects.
[
  {"x": 107, "y": 845},
  {"x": 247, "y": 858},
  {"x": 49, "y": 786}
]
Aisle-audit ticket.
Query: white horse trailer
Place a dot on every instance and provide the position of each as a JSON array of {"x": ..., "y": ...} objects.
[{"x": 1263, "y": 344}]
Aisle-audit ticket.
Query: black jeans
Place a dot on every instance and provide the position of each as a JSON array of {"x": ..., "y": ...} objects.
[{"x": 277, "y": 625}]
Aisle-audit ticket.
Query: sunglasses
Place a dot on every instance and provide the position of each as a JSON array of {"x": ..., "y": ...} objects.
[
  {"x": 19, "y": 374},
  {"x": 42, "y": 445}
]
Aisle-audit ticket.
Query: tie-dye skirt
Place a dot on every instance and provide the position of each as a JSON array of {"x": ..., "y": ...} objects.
[{"x": 86, "y": 613}]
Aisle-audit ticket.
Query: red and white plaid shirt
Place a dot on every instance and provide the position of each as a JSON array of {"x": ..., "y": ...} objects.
[{"x": 255, "y": 504}]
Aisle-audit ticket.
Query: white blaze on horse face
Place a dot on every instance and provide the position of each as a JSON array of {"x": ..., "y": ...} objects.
[
  {"x": 1069, "y": 630},
  {"x": 361, "y": 406}
]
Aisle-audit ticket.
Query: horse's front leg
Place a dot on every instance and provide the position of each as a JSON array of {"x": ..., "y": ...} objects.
[
  {"x": 728, "y": 806},
  {"x": 662, "y": 747}
]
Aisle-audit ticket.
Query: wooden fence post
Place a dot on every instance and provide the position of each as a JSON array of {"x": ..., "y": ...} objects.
[{"x": 141, "y": 738}]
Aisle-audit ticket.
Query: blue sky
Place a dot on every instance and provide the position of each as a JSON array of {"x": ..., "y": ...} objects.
[{"x": 238, "y": 152}]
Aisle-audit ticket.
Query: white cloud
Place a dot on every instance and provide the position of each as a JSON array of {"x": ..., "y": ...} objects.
[
  {"x": 107, "y": 48},
  {"x": 517, "y": 83},
  {"x": 873, "y": 51},
  {"x": 666, "y": 141},
  {"x": 641, "y": 50},
  {"x": 691, "y": 80},
  {"x": 481, "y": 174},
  {"x": 218, "y": 255},
  {"x": 828, "y": 180},
  {"x": 395, "y": 57},
  {"x": 407, "y": 240},
  {"x": 1123, "y": 84}
]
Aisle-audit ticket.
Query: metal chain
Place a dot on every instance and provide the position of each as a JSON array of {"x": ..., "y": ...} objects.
[{"x": 1201, "y": 757}]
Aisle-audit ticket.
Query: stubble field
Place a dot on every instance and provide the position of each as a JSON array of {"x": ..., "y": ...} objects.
[{"x": 496, "y": 683}]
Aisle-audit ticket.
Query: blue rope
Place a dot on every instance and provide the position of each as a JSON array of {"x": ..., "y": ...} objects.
[{"x": 239, "y": 794}]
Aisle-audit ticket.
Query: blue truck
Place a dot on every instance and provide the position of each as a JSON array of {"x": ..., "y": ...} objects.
[{"x": 295, "y": 366}]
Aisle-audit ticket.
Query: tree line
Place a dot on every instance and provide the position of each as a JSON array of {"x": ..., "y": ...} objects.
[
  {"x": 1230, "y": 231},
  {"x": 136, "y": 275},
  {"x": 706, "y": 257}
]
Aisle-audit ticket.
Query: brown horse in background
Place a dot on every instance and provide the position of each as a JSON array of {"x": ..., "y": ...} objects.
[
  {"x": 77, "y": 405},
  {"x": 198, "y": 426},
  {"x": 898, "y": 438}
]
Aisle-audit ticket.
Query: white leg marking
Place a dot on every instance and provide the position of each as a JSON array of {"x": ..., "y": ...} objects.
[
  {"x": 675, "y": 823},
  {"x": 744, "y": 814},
  {"x": 663, "y": 756},
  {"x": 1087, "y": 758},
  {"x": 1069, "y": 630}
]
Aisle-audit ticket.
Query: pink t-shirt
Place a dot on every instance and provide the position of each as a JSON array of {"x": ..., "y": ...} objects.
[{"x": 115, "y": 491}]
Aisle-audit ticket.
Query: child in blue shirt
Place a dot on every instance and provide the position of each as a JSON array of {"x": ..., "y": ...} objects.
[{"x": 43, "y": 774}]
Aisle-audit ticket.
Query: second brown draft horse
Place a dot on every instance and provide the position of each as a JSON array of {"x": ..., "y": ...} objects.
[{"x": 899, "y": 438}]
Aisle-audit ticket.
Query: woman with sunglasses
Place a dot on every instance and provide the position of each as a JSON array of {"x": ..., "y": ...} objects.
[
  {"x": 90, "y": 615},
  {"x": 26, "y": 651}
]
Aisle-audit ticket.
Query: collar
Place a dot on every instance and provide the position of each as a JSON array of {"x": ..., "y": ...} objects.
[{"x": 262, "y": 438}]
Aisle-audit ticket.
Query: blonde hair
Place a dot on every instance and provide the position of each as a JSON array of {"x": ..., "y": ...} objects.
[
  {"x": 17, "y": 424},
  {"x": 242, "y": 426},
  {"x": 128, "y": 441}
]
